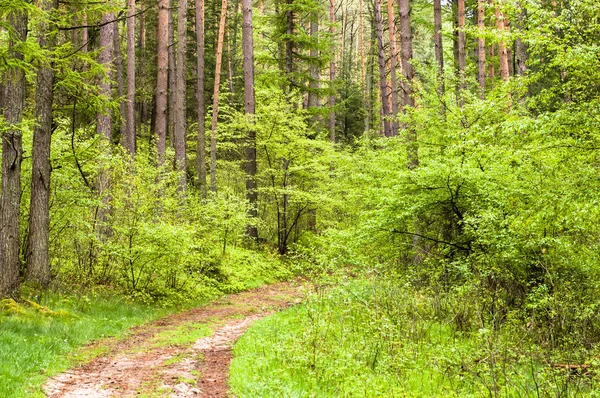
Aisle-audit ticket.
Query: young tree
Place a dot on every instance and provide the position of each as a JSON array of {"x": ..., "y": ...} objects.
[
  {"x": 179, "y": 132},
  {"x": 38, "y": 263},
  {"x": 249, "y": 102},
  {"x": 201, "y": 149},
  {"x": 215, "y": 110},
  {"x": 12, "y": 155}
]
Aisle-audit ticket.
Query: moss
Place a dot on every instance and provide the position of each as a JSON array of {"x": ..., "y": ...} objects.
[{"x": 10, "y": 307}]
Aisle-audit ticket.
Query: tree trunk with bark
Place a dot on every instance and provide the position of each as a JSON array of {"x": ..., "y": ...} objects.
[
  {"x": 332, "y": 73},
  {"x": 129, "y": 137},
  {"x": 179, "y": 133},
  {"x": 462, "y": 52},
  {"x": 162, "y": 66},
  {"x": 387, "y": 127},
  {"x": 171, "y": 71},
  {"x": 118, "y": 61},
  {"x": 393, "y": 68},
  {"x": 215, "y": 110},
  {"x": 250, "y": 105},
  {"x": 12, "y": 155},
  {"x": 37, "y": 259},
  {"x": 502, "y": 51},
  {"x": 481, "y": 47},
  {"x": 201, "y": 149},
  {"x": 407, "y": 69},
  {"x": 438, "y": 43}
]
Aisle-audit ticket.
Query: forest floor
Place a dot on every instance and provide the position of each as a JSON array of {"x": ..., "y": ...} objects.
[{"x": 182, "y": 355}]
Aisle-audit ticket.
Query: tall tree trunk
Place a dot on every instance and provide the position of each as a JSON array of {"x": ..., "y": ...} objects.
[
  {"x": 289, "y": 44},
  {"x": 201, "y": 150},
  {"x": 162, "y": 66},
  {"x": 313, "y": 84},
  {"x": 105, "y": 58},
  {"x": 393, "y": 67},
  {"x": 502, "y": 52},
  {"x": 172, "y": 90},
  {"x": 179, "y": 133},
  {"x": 491, "y": 69},
  {"x": 387, "y": 127},
  {"x": 38, "y": 264},
  {"x": 363, "y": 82},
  {"x": 118, "y": 61},
  {"x": 12, "y": 155},
  {"x": 249, "y": 102},
  {"x": 332, "y": 73},
  {"x": 84, "y": 34},
  {"x": 438, "y": 43},
  {"x": 407, "y": 69},
  {"x": 104, "y": 122},
  {"x": 520, "y": 46},
  {"x": 129, "y": 138},
  {"x": 215, "y": 110},
  {"x": 481, "y": 46},
  {"x": 462, "y": 52}
]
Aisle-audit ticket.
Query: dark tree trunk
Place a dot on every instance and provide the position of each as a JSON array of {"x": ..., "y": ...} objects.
[
  {"x": 215, "y": 110},
  {"x": 439, "y": 49},
  {"x": 249, "y": 102},
  {"x": 407, "y": 69},
  {"x": 38, "y": 264},
  {"x": 201, "y": 150},
  {"x": 12, "y": 155},
  {"x": 179, "y": 132},
  {"x": 129, "y": 138},
  {"x": 172, "y": 83},
  {"x": 481, "y": 46},
  {"x": 385, "y": 107},
  {"x": 162, "y": 66}
]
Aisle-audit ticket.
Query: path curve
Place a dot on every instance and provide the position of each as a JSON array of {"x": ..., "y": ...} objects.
[{"x": 137, "y": 365}]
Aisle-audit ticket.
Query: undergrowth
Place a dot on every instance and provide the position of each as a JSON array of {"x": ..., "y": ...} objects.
[{"x": 377, "y": 338}]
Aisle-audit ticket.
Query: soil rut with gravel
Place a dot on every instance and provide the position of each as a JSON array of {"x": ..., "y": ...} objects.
[{"x": 164, "y": 358}]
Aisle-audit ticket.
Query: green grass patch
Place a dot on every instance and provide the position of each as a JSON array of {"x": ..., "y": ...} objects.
[
  {"x": 37, "y": 341},
  {"x": 182, "y": 335},
  {"x": 372, "y": 339}
]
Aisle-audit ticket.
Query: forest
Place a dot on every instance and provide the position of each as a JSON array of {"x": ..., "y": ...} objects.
[{"x": 300, "y": 198}]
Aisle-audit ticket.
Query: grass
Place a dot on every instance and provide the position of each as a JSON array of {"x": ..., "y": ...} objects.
[
  {"x": 368, "y": 339},
  {"x": 182, "y": 335},
  {"x": 36, "y": 343}
]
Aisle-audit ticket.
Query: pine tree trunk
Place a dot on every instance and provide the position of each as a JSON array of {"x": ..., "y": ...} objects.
[
  {"x": 393, "y": 67},
  {"x": 215, "y": 110},
  {"x": 363, "y": 82},
  {"x": 201, "y": 150},
  {"x": 38, "y": 264},
  {"x": 332, "y": 73},
  {"x": 172, "y": 89},
  {"x": 502, "y": 52},
  {"x": 520, "y": 47},
  {"x": 129, "y": 138},
  {"x": 481, "y": 46},
  {"x": 387, "y": 128},
  {"x": 462, "y": 53},
  {"x": 118, "y": 61},
  {"x": 162, "y": 66},
  {"x": 407, "y": 69},
  {"x": 179, "y": 132},
  {"x": 106, "y": 58},
  {"x": 249, "y": 102},
  {"x": 12, "y": 155},
  {"x": 438, "y": 43}
]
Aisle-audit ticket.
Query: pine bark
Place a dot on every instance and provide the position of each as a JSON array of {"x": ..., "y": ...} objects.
[
  {"x": 215, "y": 110},
  {"x": 179, "y": 132},
  {"x": 393, "y": 68},
  {"x": 250, "y": 105},
  {"x": 129, "y": 137},
  {"x": 462, "y": 52},
  {"x": 438, "y": 43},
  {"x": 118, "y": 61},
  {"x": 105, "y": 58},
  {"x": 162, "y": 65},
  {"x": 332, "y": 73},
  {"x": 481, "y": 46},
  {"x": 407, "y": 70},
  {"x": 37, "y": 257},
  {"x": 12, "y": 155},
  {"x": 387, "y": 127},
  {"x": 502, "y": 51},
  {"x": 201, "y": 149},
  {"x": 172, "y": 84}
]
